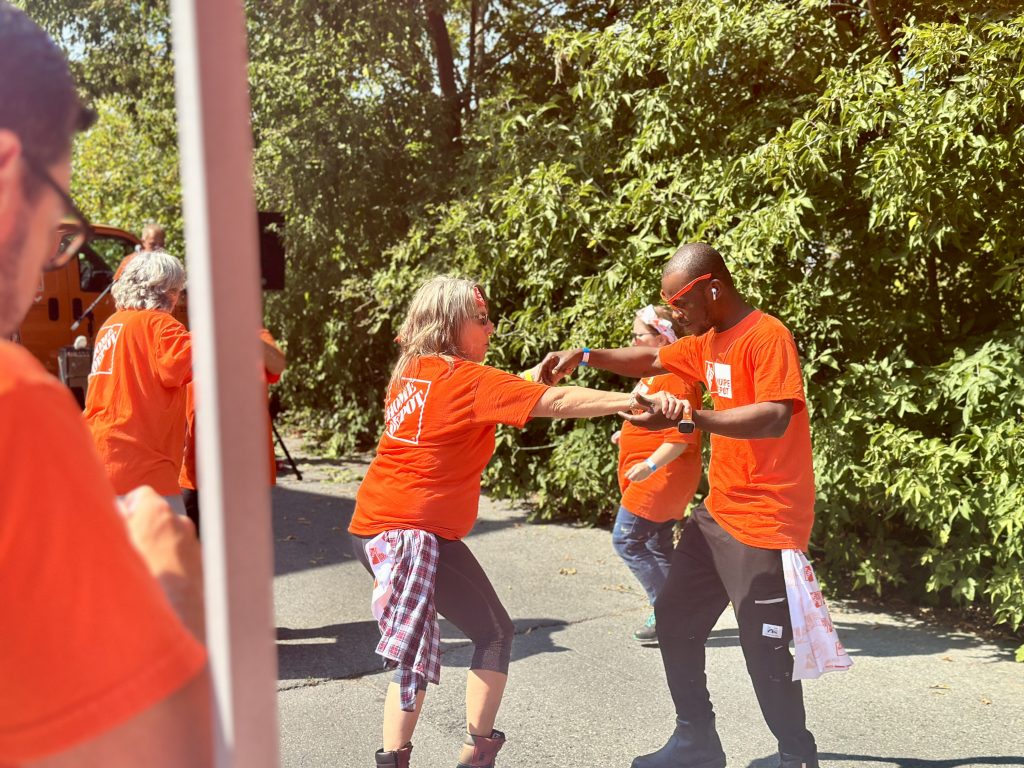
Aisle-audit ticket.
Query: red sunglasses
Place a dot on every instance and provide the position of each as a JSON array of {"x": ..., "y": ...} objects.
[{"x": 684, "y": 290}]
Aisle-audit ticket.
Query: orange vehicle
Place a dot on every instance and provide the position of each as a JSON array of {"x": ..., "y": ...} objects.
[{"x": 66, "y": 294}]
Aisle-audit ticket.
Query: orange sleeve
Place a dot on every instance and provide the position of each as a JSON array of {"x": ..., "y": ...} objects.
[
  {"x": 683, "y": 358},
  {"x": 504, "y": 398},
  {"x": 87, "y": 639},
  {"x": 172, "y": 353},
  {"x": 776, "y": 369}
]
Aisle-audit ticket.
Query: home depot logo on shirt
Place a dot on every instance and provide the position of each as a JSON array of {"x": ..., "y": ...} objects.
[
  {"x": 719, "y": 378},
  {"x": 404, "y": 414},
  {"x": 103, "y": 352}
]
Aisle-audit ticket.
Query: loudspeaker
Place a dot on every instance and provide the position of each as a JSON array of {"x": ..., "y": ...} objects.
[{"x": 271, "y": 250}]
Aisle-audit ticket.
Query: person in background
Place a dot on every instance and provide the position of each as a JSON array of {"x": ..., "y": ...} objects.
[
  {"x": 420, "y": 499},
  {"x": 101, "y": 610},
  {"x": 658, "y": 473},
  {"x": 274, "y": 363},
  {"x": 142, "y": 360},
  {"x": 154, "y": 237}
]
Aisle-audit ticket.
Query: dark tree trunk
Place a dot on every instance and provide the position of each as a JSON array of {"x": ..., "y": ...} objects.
[
  {"x": 438, "y": 30},
  {"x": 477, "y": 51},
  {"x": 887, "y": 41}
]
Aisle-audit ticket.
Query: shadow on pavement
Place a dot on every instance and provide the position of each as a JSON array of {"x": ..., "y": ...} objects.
[
  {"x": 334, "y": 652},
  {"x": 340, "y": 651},
  {"x": 311, "y": 529},
  {"x": 885, "y": 641}
]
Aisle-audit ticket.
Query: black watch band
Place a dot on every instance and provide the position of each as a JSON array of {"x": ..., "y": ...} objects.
[{"x": 686, "y": 426}]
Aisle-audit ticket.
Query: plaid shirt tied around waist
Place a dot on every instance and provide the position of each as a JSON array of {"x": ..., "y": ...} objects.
[{"x": 404, "y": 564}]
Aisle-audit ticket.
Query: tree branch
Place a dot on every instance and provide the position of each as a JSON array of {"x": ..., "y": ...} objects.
[{"x": 887, "y": 40}]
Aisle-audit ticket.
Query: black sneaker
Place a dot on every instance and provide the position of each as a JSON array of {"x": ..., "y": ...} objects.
[{"x": 648, "y": 633}]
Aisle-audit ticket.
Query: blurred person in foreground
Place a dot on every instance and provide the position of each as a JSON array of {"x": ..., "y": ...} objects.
[
  {"x": 142, "y": 360},
  {"x": 420, "y": 498},
  {"x": 101, "y": 610}
]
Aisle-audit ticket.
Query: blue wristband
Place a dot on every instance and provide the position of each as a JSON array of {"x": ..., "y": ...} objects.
[
  {"x": 585, "y": 360},
  {"x": 651, "y": 464}
]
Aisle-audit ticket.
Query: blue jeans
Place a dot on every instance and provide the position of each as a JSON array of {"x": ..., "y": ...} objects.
[{"x": 645, "y": 547}]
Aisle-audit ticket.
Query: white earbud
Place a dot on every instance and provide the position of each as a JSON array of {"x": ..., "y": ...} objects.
[{"x": 714, "y": 293}]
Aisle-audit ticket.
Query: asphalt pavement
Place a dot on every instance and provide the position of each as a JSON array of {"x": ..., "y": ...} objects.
[{"x": 581, "y": 691}]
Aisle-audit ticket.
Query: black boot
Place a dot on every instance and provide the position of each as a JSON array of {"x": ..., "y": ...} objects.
[
  {"x": 396, "y": 759},
  {"x": 792, "y": 761},
  {"x": 484, "y": 749},
  {"x": 692, "y": 745}
]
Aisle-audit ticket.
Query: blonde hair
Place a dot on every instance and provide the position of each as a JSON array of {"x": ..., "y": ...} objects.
[{"x": 434, "y": 322}]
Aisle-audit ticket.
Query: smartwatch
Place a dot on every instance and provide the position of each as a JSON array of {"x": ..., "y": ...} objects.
[{"x": 685, "y": 426}]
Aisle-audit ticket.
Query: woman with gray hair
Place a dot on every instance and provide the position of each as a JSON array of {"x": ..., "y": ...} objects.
[{"x": 142, "y": 360}]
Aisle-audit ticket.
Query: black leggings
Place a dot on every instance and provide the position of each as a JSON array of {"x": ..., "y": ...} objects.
[
  {"x": 463, "y": 594},
  {"x": 709, "y": 570}
]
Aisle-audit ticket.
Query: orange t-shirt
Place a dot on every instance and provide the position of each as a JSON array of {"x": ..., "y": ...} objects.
[
  {"x": 187, "y": 476},
  {"x": 438, "y": 437},
  {"x": 762, "y": 491},
  {"x": 665, "y": 494},
  {"x": 135, "y": 406},
  {"x": 88, "y": 639}
]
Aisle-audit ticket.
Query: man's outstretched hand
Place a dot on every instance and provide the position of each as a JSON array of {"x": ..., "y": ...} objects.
[
  {"x": 661, "y": 411},
  {"x": 557, "y": 365}
]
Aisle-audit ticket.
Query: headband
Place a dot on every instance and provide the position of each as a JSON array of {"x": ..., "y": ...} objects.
[{"x": 648, "y": 316}]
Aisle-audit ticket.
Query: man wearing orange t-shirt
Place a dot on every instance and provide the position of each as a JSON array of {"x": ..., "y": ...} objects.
[
  {"x": 761, "y": 501},
  {"x": 95, "y": 667}
]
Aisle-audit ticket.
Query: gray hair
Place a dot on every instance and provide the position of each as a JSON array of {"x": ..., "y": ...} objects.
[{"x": 150, "y": 281}]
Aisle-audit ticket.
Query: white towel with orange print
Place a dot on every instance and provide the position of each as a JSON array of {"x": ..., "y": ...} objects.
[{"x": 815, "y": 642}]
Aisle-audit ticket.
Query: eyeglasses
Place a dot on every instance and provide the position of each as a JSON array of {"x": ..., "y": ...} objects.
[
  {"x": 671, "y": 301},
  {"x": 81, "y": 229},
  {"x": 483, "y": 319}
]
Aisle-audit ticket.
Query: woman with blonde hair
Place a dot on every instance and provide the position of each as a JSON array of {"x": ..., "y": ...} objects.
[{"x": 420, "y": 497}]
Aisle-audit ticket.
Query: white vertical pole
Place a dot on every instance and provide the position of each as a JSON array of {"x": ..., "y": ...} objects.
[{"x": 215, "y": 138}]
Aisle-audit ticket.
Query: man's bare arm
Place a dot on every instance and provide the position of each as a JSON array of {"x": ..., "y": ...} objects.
[
  {"x": 632, "y": 362},
  {"x": 747, "y": 422}
]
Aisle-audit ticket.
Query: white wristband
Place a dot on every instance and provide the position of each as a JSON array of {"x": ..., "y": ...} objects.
[{"x": 653, "y": 467}]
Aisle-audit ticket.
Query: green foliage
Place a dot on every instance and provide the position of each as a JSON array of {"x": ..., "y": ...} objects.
[
  {"x": 143, "y": 184},
  {"x": 878, "y": 218},
  {"x": 867, "y": 196}
]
